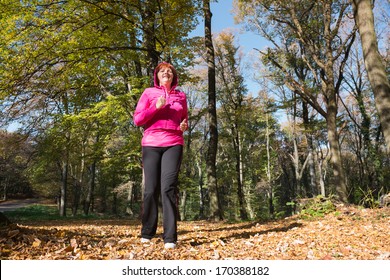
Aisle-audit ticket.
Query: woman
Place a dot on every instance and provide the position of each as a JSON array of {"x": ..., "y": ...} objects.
[{"x": 162, "y": 111}]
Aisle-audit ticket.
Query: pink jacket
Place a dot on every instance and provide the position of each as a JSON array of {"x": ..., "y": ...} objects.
[{"x": 161, "y": 126}]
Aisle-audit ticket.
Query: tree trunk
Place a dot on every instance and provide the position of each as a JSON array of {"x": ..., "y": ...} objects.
[
  {"x": 239, "y": 175},
  {"x": 76, "y": 195},
  {"x": 269, "y": 171},
  {"x": 129, "y": 200},
  {"x": 64, "y": 187},
  {"x": 215, "y": 210},
  {"x": 374, "y": 63},
  {"x": 330, "y": 91},
  {"x": 114, "y": 208},
  {"x": 310, "y": 149},
  {"x": 91, "y": 189},
  {"x": 321, "y": 168},
  {"x": 311, "y": 166},
  {"x": 201, "y": 191},
  {"x": 333, "y": 138},
  {"x": 6, "y": 183},
  {"x": 295, "y": 158},
  {"x": 183, "y": 203},
  {"x": 148, "y": 22}
]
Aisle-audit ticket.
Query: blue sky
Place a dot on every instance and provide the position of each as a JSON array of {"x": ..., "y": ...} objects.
[{"x": 222, "y": 19}]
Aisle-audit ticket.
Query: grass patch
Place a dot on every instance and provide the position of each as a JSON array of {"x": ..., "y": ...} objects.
[
  {"x": 41, "y": 212},
  {"x": 316, "y": 207}
]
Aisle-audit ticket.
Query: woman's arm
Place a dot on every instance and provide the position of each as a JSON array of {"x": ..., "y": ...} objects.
[{"x": 145, "y": 110}]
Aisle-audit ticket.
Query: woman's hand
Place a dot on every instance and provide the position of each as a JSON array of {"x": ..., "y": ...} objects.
[
  {"x": 183, "y": 125},
  {"x": 160, "y": 102}
]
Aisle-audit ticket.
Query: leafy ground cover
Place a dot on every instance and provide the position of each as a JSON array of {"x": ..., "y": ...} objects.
[{"x": 347, "y": 233}]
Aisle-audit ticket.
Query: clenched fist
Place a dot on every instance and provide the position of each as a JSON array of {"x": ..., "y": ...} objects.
[
  {"x": 160, "y": 102},
  {"x": 183, "y": 125}
]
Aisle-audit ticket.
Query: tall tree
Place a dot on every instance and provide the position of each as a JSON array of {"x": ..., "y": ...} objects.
[
  {"x": 374, "y": 63},
  {"x": 215, "y": 208},
  {"x": 317, "y": 28},
  {"x": 231, "y": 95}
]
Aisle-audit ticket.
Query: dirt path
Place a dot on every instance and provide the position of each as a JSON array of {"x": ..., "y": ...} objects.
[{"x": 11, "y": 205}]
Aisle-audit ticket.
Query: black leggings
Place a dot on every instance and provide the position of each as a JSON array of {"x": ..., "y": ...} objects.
[{"x": 161, "y": 169}]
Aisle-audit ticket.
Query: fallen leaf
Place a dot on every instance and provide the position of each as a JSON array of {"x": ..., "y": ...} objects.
[
  {"x": 36, "y": 242},
  {"x": 363, "y": 235}
]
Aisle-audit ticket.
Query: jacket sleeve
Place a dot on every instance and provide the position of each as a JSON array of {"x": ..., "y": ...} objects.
[{"x": 145, "y": 110}]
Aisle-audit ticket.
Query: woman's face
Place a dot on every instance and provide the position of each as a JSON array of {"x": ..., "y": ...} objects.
[{"x": 165, "y": 76}]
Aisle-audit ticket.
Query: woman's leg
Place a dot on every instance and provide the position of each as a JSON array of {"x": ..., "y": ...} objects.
[
  {"x": 151, "y": 160},
  {"x": 170, "y": 166}
]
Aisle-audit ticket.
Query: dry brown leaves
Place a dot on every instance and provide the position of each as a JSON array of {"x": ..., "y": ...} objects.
[{"x": 350, "y": 233}]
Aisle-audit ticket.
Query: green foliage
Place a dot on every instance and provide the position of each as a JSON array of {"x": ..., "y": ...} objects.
[
  {"x": 15, "y": 153},
  {"x": 368, "y": 198},
  {"x": 318, "y": 206}
]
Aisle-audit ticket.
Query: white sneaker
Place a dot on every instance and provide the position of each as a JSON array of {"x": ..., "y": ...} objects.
[
  {"x": 170, "y": 245},
  {"x": 145, "y": 240}
]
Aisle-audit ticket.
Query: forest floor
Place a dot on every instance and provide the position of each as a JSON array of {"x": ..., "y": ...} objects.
[{"x": 348, "y": 233}]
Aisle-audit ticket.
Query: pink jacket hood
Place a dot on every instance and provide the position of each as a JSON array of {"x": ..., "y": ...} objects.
[{"x": 175, "y": 80}]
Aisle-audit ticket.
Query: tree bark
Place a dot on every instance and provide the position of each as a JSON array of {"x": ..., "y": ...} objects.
[
  {"x": 77, "y": 185},
  {"x": 330, "y": 92},
  {"x": 65, "y": 165},
  {"x": 269, "y": 171},
  {"x": 309, "y": 138},
  {"x": 91, "y": 188},
  {"x": 129, "y": 199},
  {"x": 148, "y": 22},
  {"x": 5, "y": 189},
  {"x": 183, "y": 203},
  {"x": 374, "y": 63},
  {"x": 64, "y": 187},
  {"x": 333, "y": 138},
  {"x": 201, "y": 191},
  {"x": 215, "y": 210},
  {"x": 239, "y": 175}
]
